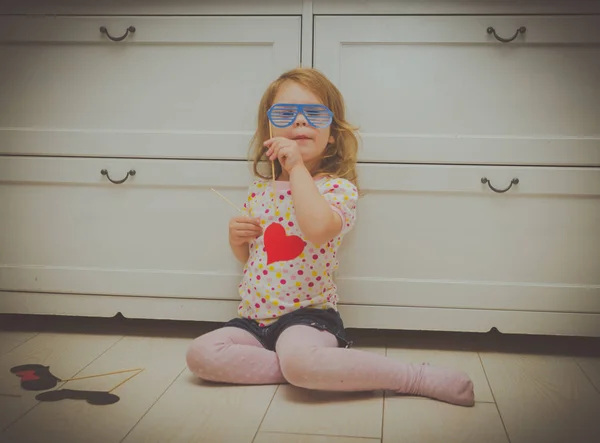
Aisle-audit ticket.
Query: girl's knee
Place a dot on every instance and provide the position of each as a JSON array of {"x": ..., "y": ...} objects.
[
  {"x": 201, "y": 353},
  {"x": 299, "y": 365}
]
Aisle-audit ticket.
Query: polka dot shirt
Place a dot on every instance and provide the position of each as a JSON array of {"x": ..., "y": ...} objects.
[{"x": 285, "y": 271}]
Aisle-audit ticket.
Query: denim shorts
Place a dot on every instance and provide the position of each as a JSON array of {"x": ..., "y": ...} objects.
[{"x": 323, "y": 319}]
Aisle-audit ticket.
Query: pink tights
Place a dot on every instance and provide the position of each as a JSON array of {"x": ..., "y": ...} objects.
[{"x": 309, "y": 358}]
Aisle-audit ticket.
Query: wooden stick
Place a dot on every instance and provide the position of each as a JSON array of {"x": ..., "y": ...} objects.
[
  {"x": 273, "y": 170},
  {"x": 273, "y": 162},
  {"x": 227, "y": 200},
  {"x": 104, "y": 375},
  {"x": 126, "y": 380}
]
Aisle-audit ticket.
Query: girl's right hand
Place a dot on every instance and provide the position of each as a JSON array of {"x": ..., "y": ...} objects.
[{"x": 244, "y": 230}]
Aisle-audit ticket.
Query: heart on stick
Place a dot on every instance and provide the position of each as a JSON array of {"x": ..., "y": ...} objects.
[{"x": 280, "y": 246}]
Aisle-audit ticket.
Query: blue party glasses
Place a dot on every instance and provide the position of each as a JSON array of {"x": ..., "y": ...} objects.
[{"x": 283, "y": 115}]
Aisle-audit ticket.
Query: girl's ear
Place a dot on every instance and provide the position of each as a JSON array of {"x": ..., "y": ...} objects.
[{"x": 331, "y": 140}]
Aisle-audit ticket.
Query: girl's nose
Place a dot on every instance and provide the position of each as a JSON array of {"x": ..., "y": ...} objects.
[{"x": 300, "y": 120}]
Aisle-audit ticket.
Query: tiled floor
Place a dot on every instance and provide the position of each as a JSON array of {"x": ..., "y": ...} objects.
[{"x": 528, "y": 390}]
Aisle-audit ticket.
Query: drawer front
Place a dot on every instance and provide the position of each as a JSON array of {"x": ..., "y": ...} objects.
[
  {"x": 441, "y": 89},
  {"x": 152, "y": 7},
  {"x": 426, "y": 236},
  {"x": 67, "y": 229},
  {"x": 185, "y": 87},
  {"x": 436, "y": 236},
  {"x": 452, "y": 7}
]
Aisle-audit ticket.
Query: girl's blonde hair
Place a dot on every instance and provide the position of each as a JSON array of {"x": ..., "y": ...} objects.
[{"x": 340, "y": 157}]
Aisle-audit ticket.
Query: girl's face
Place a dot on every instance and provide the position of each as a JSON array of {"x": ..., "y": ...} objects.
[{"x": 311, "y": 141}]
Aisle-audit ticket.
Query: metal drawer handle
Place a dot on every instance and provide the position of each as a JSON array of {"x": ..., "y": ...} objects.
[
  {"x": 521, "y": 30},
  {"x": 118, "y": 182},
  {"x": 103, "y": 30},
  {"x": 514, "y": 181}
]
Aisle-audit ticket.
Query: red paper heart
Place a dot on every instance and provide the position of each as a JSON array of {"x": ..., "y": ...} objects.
[{"x": 281, "y": 247}]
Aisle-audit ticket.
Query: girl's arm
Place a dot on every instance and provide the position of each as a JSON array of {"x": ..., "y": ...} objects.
[{"x": 318, "y": 222}]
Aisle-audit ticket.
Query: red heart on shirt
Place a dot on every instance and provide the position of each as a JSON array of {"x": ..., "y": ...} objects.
[{"x": 281, "y": 247}]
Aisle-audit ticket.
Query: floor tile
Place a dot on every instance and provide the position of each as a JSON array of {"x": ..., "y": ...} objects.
[
  {"x": 11, "y": 339},
  {"x": 194, "y": 411},
  {"x": 302, "y": 411},
  {"x": 410, "y": 420},
  {"x": 591, "y": 367},
  {"x": 65, "y": 354},
  {"x": 543, "y": 398},
  {"x": 69, "y": 420},
  {"x": 276, "y": 437},
  {"x": 466, "y": 361}
]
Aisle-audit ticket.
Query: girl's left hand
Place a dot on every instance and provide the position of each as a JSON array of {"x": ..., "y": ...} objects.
[{"x": 286, "y": 150}]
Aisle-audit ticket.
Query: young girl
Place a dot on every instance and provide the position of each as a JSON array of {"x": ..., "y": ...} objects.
[{"x": 289, "y": 329}]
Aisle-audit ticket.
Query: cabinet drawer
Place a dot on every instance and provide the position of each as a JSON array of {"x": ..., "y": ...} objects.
[
  {"x": 441, "y": 89},
  {"x": 152, "y": 7},
  {"x": 67, "y": 229},
  {"x": 185, "y": 87},
  {"x": 426, "y": 236},
  {"x": 436, "y": 236}
]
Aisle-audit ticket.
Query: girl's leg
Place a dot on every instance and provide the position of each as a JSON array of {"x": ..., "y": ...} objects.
[
  {"x": 310, "y": 358},
  {"x": 233, "y": 355}
]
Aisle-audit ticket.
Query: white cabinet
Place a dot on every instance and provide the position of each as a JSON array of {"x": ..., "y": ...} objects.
[
  {"x": 162, "y": 233},
  {"x": 447, "y": 113},
  {"x": 174, "y": 87},
  {"x": 481, "y": 142},
  {"x": 441, "y": 89}
]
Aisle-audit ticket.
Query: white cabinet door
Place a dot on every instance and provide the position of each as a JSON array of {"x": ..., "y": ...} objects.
[
  {"x": 437, "y": 236},
  {"x": 185, "y": 87},
  {"x": 439, "y": 89},
  {"x": 65, "y": 228}
]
